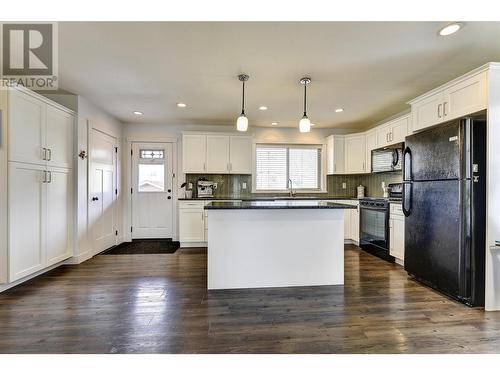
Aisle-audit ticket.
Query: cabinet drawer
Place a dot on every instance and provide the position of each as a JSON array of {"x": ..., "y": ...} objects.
[{"x": 191, "y": 204}]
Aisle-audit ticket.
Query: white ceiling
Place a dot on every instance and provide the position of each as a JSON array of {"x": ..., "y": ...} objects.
[{"x": 369, "y": 68}]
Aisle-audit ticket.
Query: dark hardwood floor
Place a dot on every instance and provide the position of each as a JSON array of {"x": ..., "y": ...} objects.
[{"x": 159, "y": 304}]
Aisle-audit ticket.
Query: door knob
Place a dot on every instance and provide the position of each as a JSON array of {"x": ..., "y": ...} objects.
[
  {"x": 169, "y": 191},
  {"x": 169, "y": 197},
  {"x": 95, "y": 199}
]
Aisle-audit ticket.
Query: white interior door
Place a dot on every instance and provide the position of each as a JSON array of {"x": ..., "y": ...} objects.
[
  {"x": 102, "y": 190},
  {"x": 152, "y": 197}
]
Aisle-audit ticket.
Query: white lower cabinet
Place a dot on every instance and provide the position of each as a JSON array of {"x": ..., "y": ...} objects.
[
  {"x": 39, "y": 218},
  {"x": 397, "y": 233},
  {"x": 191, "y": 222},
  {"x": 351, "y": 221}
]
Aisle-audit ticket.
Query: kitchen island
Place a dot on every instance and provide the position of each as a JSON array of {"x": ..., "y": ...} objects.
[{"x": 257, "y": 244}]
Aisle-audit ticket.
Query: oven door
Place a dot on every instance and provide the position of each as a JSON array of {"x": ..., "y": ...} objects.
[{"x": 374, "y": 231}]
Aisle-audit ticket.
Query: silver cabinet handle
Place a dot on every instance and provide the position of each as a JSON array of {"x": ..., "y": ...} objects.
[
  {"x": 363, "y": 166},
  {"x": 335, "y": 167},
  {"x": 230, "y": 167},
  {"x": 44, "y": 153},
  {"x": 439, "y": 110},
  {"x": 391, "y": 138},
  {"x": 44, "y": 176},
  {"x": 444, "y": 109},
  {"x": 387, "y": 137},
  {"x": 50, "y": 177},
  {"x": 50, "y": 154},
  {"x": 204, "y": 166}
]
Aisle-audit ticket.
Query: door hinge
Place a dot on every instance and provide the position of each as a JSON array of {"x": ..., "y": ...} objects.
[
  {"x": 131, "y": 152},
  {"x": 116, "y": 233},
  {"x": 131, "y": 229},
  {"x": 116, "y": 191},
  {"x": 116, "y": 150},
  {"x": 131, "y": 190}
]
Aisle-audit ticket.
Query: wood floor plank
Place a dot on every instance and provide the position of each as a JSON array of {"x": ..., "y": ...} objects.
[{"x": 159, "y": 304}]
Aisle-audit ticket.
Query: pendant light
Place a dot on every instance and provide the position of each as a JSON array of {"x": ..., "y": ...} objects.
[
  {"x": 305, "y": 123},
  {"x": 242, "y": 121}
]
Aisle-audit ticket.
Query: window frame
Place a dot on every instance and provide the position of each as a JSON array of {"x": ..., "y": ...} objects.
[{"x": 321, "y": 167}]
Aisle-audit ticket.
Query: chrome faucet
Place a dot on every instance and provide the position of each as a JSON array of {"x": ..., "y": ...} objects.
[{"x": 290, "y": 185}]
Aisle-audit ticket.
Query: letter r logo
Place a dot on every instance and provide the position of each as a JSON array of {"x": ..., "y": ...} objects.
[{"x": 27, "y": 49}]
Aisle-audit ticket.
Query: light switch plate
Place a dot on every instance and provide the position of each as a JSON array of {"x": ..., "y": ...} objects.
[
  {"x": 344, "y": 185},
  {"x": 244, "y": 185}
]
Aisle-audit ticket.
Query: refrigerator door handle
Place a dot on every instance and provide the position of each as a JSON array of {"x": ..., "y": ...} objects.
[
  {"x": 407, "y": 167},
  {"x": 407, "y": 193}
]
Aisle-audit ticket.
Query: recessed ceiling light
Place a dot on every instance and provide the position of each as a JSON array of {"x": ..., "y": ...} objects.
[
  {"x": 452, "y": 28},
  {"x": 181, "y": 105},
  {"x": 263, "y": 108},
  {"x": 274, "y": 123},
  {"x": 138, "y": 113},
  {"x": 338, "y": 110}
]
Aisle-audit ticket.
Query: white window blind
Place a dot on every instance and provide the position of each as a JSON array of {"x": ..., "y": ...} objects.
[{"x": 275, "y": 164}]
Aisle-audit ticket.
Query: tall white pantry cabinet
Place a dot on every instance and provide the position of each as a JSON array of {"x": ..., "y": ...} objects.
[{"x": 36, "y": 139}]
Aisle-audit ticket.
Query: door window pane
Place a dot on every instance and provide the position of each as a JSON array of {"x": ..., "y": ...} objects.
[
  {"x": 151, "y": 154},
  {"x": 151, "y": 178}
]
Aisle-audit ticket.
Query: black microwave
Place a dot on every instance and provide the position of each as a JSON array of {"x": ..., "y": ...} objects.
[{"x": 388, "y": 159}]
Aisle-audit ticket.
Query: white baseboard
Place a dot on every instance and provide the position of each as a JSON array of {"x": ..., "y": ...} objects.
[
  {"x": 400, "y": 262},
  {"x": 80, "y": 258},
  {"x": 193, "y": 244}
]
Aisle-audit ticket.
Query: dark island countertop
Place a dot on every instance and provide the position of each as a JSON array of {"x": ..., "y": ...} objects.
[
  {"x": 269, "y": 198},
  {"x": 283, "y": 204}
]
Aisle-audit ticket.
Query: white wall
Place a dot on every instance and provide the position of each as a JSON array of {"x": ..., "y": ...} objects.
[
  {"x": 89, "y": 113},
  {"x": 3, "y": 187}
]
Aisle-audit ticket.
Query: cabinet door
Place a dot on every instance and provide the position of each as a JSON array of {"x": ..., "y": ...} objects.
[
  {"x": 371, "y": 144},
  {"x": 27, "y": 213},
  {"x": 59, "y": 138},
  {"x": 191, "y": 225},
  {"x": 355, "y": 154},
  {"x": 427, "y": 112},
  {"x": 335, "y": 154},
  {"x": 194, "y": 153},
  {"x": 240, "y": 155},
  {"x": 58, "y": 216},
  {"x": 26, "y": 128},
  {"x": 465, "y": 97},
  {"x": 399, "y": 130},
  {"x": 383, "y": 136},
  {"x": 347, "y": 224},
  {"x": 355, "y": 224},
  {"x": 217, "y": 153},
  {"x": 397, "y": 237}
]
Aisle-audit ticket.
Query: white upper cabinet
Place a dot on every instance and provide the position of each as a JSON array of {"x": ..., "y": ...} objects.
[
  {"x": 355, "y": 154},
  {"x": 26, "y": 128},
  {"x": 240, "y": 155},
  {"x": 39, "y": 133},
  {"x": 371, "y": 144},
  {"x": 59, "y": 137},
  {"x": 458, "y": 98},
  {"x": 335, "y": 154},
  {"x": 194, "y": 153},
  {"x": 392, "y": 132},
  {"x": 217, "y": 154},
  {"x": 465, "y": 97}
]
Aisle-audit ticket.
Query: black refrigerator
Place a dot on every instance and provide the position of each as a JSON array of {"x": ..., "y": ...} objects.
[{"x": 444, "y": 202}]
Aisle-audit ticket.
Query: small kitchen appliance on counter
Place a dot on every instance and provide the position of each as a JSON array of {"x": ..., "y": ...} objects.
[
  {"x": 361, "y": 191},
  {"x": 206, "y": 189}
]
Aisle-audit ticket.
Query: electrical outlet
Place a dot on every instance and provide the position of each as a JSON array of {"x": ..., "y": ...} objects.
[
  {"x": 244, "y": 185},
  {"x": 344, "y": 185}
]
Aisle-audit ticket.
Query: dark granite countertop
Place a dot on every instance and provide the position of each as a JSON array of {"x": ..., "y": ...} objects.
[
  {"x": 262, "y": 204},
  {"x": 257, "y": 198}
]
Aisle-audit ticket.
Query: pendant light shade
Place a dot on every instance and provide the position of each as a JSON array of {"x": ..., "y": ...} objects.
[
  {"x": 305, "y": 123},
  {"x": 242, "y": 121}
]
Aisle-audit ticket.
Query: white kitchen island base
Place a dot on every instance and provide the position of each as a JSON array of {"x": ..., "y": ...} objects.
[{"x": 259, "y": 248}]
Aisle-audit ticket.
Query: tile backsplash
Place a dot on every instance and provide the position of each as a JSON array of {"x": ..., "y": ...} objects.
[{"x": 231, "y": 185}]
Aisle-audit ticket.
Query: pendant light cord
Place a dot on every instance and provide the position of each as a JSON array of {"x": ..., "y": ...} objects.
[
  {"x": 305, "y": 99},
  {"x": 243, "y": 100}
]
